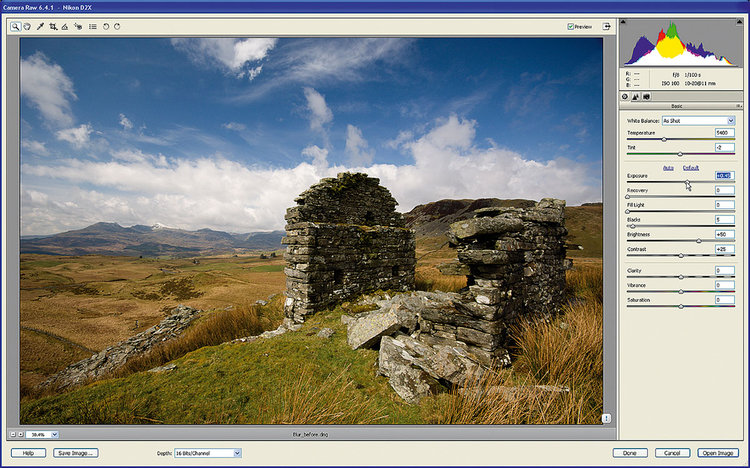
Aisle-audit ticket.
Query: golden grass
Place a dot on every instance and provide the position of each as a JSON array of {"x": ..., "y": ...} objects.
[
  {"x": 305, "y": 402},
  {"x": 556, "y": 378},
  {"x": 564, "y": 353},
  {"x": 95, "y": 300},
  {"x": 585, "y": 281},
  {"x": 214, "y": 329},
  {"x": 429, "y": 278}
]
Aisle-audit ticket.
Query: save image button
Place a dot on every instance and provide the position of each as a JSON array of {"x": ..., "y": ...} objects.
[{"x": 75, "y": 453}]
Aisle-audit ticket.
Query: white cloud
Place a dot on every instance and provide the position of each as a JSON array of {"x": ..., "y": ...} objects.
[
  {"x": 312, "y": 61},
  {"x": 340, "y": 59},
  {"x": 125, "y": 122},
  {"x": 139, "y": 188},
  {"x": 403, "y": 136},
  {"x": 76, "y": 136},
  {"x": 318, "y": 155},
  {"x": 251, "y": 74},
  {"x": 357, "y": 147},
  {"x": 228, "y": 54},
  {"x": 208, "y": 192},
  {"x": 449, "y": 164},
  {"x": 320, "y": 114},
  {"x": 138, "y": 156},
  {"x": 48, "y": 89},
  {"x": 234, "y": 126},
  {"x": 36, "y": 147}
]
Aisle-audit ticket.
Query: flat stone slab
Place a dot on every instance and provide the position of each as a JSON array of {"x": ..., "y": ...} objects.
[
  {"x": 482, "y": 226},
  {"x": 365, "y": 331},
  {"x": 408, "y": 381}
]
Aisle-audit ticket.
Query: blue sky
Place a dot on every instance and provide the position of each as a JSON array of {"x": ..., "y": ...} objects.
[{"x": 225, "y": 133}]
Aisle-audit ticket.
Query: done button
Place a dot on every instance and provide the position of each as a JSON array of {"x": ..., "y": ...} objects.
[{"x": 630, "y": 453}]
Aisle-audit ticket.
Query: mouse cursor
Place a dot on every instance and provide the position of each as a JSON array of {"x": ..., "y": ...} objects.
[{"x": 688, "y": 187}]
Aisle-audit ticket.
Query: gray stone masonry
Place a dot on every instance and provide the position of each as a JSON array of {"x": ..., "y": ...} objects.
[
  {"x": 344, "y": 238},
  {"x": 516, "y": 268}
]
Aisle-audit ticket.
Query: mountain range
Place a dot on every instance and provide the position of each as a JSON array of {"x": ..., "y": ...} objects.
[
  {"x": 149, "y": 241},
  {"x": 429, "y": 220}
]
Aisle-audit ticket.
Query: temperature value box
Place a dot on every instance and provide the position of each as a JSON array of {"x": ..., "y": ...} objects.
[
  {"x": 724, "y": 204},
  {"x": 724, "y": 147},
  {"x": 724, "y": 132},
  {"x": 726, "y": 284},
  {"x": 725, "y": 299},
  {"x": 724, "y": 219},
  {"x": 724, "y": 249},
  {"x": 725, "y": 190},
  {"x": 724, "y": 234},
  {"x": 724, "y": 270}
]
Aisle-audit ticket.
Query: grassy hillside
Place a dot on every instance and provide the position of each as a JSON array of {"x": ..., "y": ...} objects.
[
  {"x": 585, "y": 225},
  {"x": 94, "y": 301},
  {"x": 300, "y": 378}
]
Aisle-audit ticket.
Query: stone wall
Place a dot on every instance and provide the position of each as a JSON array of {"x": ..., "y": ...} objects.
[
  {"x": 344, "y": 238},
  {"x": 515, "y": 259}
]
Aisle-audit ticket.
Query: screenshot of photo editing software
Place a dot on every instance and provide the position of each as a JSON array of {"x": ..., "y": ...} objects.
[{"x": 374, "y": 233}]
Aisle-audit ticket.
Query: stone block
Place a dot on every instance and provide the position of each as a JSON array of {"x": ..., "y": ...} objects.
[
  {"x": 451, "y": 316},
  {"x": 454, "y": 269},
  {"x": 487, "y": 296},
  {"x": 487, "y": 257},
  {"x": 365, "y": 332},
  {"x": 409, "y": 382},
  {"x": 482, "y": 340},
  {"x": 483, "y": 226}
]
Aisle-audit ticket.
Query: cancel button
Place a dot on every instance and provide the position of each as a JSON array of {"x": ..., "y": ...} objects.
[{"x": 673, "y": 453}]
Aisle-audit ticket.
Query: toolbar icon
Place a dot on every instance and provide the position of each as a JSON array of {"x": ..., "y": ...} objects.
[
  {"x": 53, "y": 26},
  {"x": 15, "y": 26},
  {"x": 77, "y": 26},
  {"x": 41, "y": 25}
]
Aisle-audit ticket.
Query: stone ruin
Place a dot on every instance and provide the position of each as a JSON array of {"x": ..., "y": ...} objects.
[
  {"x": 514, "y": 261},
  {"x": 344, "y": 238}
]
